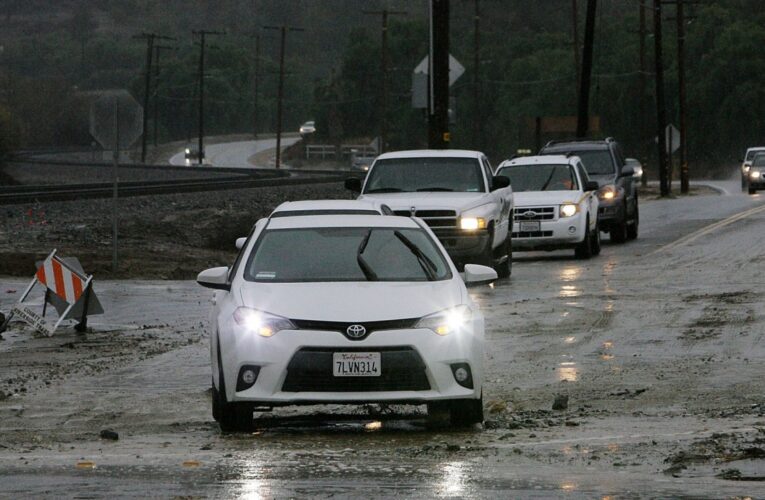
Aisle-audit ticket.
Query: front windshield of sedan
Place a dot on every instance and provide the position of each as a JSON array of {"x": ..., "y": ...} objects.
[
  {"x": 753, "y": 152},
  {"x": 397, "y": 175},
  {"x": 597, "y": 162},
  {"x": 759, "y": 160},
  {"x": 540, "y": 177},
  {"x": 345, "y": 254}
]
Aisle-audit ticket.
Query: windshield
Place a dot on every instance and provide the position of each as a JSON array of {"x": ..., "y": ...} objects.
[
  {"x": 398, "y": 175},
  {"x": 597, "y": 162},
  {"x": 540, "y": 177},
  {"x": 759, "y": 160},
  {"x": 345, "y": 254},
  {"x": 750, "y": 154}
]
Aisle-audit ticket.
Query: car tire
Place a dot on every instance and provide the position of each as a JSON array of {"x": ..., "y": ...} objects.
[
  {"x": 752, "y": 190},
  {"x": 505, "y": 269},
  {"x": 618, "y": 231},
  {"x": 632, "y": 229},
  {"x": 466, "y": 412},
  {"x": 596, "y": 242},
  {"x": 584, "y": 249},
  {"x": 231, "y": 417}
]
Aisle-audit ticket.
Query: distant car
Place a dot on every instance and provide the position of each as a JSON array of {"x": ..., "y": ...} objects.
[
  {"x": 619, "y": 214},
  {"x": 192, "y": 156},
  {"x": 345, "y": 309},
  {"x": 746, "y": 163},
  {"x": 755, "y": 176},
  {"x": 308, "y": 128},
  {"x": 361, "y": 162},
  {"x": 636, "y": 166},
  {"x": 556, "y": 205}
]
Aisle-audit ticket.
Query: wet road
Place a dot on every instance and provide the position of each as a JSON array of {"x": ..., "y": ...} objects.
[{"x": 658, "y": 345}]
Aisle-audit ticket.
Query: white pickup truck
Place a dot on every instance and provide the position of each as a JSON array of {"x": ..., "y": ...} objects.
[{"x": 455, "y": 193}]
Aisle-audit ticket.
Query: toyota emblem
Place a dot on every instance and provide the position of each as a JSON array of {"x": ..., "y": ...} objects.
[{"x": 356, "y": 331}]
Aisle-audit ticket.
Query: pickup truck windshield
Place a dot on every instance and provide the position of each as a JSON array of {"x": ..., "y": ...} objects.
[
  {"x": 325, "y": 254},
  {"x": 399, "y": 175},
  {"x": 540, "y": 177}
]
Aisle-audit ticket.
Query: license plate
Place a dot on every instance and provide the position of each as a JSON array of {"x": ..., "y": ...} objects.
[
  {"x": 531, "y": 226},
  {"x": 356, "y": 364}
]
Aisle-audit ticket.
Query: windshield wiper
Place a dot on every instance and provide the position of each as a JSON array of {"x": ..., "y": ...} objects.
[
  {"x": 426, "y": 264},
  {"x": 435, "y": 189},
  {"x": 385, "y": 190},
  {"x": 544, "y": 186},
  {"x": 368, "y": 272}
]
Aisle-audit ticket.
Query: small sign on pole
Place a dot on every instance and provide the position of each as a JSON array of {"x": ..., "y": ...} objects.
[{"x": 67, "y": 288}]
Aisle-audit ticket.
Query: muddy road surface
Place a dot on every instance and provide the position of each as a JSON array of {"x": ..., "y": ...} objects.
[{"x": 654, "y": 351}]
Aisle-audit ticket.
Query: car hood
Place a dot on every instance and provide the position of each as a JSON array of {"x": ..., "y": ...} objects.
[
  {"x": 426, "y": 200},
  {"x": 352, "y": 301},
  {"x": 545, "y": 198}
]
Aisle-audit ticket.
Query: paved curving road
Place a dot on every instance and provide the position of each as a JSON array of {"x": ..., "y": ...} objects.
[{"x": 240, "y": 153}]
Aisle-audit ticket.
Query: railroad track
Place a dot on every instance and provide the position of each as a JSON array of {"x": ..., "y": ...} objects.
[{"x": 30, "y": 194}]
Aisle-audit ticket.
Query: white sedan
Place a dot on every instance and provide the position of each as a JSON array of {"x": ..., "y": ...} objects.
[
  {"x": 555, "y": 204},
  {"x": 344, "y": 309}
]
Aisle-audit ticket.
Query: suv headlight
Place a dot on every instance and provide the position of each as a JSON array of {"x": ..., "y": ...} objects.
[
  {"x": 262, "y": 323},
  {"x": 446, "y": 321},
  {"x": 568, "y": 209},
  {"x": 472, "y": 223},
  {"x": 609, "y": 192}
]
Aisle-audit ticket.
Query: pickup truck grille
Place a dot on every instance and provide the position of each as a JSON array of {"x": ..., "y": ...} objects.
[
  {"x": 434, "y": 218},
  {"x": 534, "y": 213}
]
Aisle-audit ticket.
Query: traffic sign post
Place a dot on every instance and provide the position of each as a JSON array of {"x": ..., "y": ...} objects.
[{"x": 116, "y": 122}]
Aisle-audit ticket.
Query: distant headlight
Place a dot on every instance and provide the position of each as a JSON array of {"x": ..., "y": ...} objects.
[
  {"x": 754, "y": 174},
  {"x": 262, "y": 323},
  {"x": 446, "y": 321},
  {"x": 568, "y": 209},
  {"x": 472, "y": 223}
]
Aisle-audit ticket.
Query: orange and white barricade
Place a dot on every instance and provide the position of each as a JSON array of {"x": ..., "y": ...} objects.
[{"x": 67, "y": 284}]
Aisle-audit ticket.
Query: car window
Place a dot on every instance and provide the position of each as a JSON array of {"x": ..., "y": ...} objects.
[
  {"x": 582, "y": 172},
  {"x": 553, "y": 177},
  {"x": 759, "y": 160},
  {"x": 750, "y": 154},
  {"x": 332, "y": 254},
  {"x": 487, "y": 170},
  {"x": 394, "y": 175},
  {"x": 597, "y": 162}
]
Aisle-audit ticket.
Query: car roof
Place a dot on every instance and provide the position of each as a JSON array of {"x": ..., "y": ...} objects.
[
  {"x": 545, "y": 159},
  {"x": 756, "y": 148},
  {"x": 327, "y": 205},
  {"x": 432, "y": 153},
  {"x": 577, "y": 146},
  {"x": 313, "y": 221}
]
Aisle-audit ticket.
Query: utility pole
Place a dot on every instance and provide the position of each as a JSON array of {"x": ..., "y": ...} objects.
[
  {"x": 384, "y": 72},
  {"x": 583, "y": 111},
  {"x": 255, "y": 83},
  {"x": 641, "y": 91},
  {"x": 201, "y": 117},
  {"x": 157, "y": 51},
  {"x": 280, "y": 96},
  {"x": 477, "y": 117},
  {"x": 438, "y": 116},
  {"x": 661, "y": 112},
  {"x": 681, "y": 96},
  {"x": 575, "y": 26},
  {"x": 149, "y": 37}
]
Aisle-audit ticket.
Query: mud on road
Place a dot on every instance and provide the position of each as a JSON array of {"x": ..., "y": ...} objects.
[{"x": 653, "y": 353}]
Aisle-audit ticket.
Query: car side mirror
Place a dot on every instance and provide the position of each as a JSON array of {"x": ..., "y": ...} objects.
[
  {"x": 591, "y": 186},
  {"x": 215, "y": 278},
  {"x": 627, "y": 171},
  {"x": 476, "y": 275},
  {"x": 499, "y": 182},
  {"x": 353, "y": 184},
  {"x": 240, "y": 243}
]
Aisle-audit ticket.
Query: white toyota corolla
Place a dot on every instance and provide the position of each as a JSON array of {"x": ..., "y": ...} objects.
[{"x": 344, "y": 309}]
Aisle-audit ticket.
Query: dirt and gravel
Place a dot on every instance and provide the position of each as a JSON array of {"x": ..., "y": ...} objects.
[{"x": 651, "y": 355}]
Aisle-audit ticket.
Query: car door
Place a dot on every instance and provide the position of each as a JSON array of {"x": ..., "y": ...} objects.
[
  {"x": 500, "y": 200},
  {"x": 591, "y": 196}
]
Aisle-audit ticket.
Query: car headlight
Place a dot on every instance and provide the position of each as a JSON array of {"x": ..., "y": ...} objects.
[
  {"x": 754, "y": 174},
  {"x": 472, "y": 223},
  {"x": 746, "y": 168},
  {"x": 262, "y": 323},
  {"x": 608, "y": 193},
  {"x": 568, "y": 209},
  {"x": 446, "y": 321}
]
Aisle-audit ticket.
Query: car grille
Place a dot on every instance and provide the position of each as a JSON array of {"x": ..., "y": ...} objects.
[
  {"x": 342, "y": 326},
  {"x": 310, "y": 370},
  {"x": 533, "y": 213},
  {"x": 533, "y": 234},
  {"x": 433, "y": 218}
]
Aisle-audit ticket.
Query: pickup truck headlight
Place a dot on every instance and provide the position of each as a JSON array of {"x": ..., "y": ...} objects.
[
  {"x": 446, "y": 321},
  {"x": 472, "y": 223},
  {"x": 262, "y": 323},
  {"x": 568, "y": 209},
  {"x": 754, "y": 174}
]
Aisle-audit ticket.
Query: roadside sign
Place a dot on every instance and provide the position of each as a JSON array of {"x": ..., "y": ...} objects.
[
  {"x": 671, "y": 139},
  {"x": 455, "y": 68},
  {"x": 116, "y": 115}
]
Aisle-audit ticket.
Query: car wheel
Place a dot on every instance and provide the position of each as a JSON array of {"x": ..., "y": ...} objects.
[
  {"x": 504, "y": 269},
  {"x": 752, "y": 190},
  {"x": 231, "y": 417},
  {"x": 584, "y": 249},
  {"x": 743, "y": 183},
  {"x": 464, "y": 412},
  {"x": 596, "y": 242},
  {"x": 618, "y": 232},
  {"x": 632, "y": 229}
]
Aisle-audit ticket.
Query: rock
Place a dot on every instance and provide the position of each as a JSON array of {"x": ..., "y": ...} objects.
[
  {"x": 571, "y": 423},
  {"x": 109, "y": 434},
  {"x": 207, "y": 446},
  {"x": 560, "y": 402},
  {"x": 452, "y": 447},
  {"x": 497, "y": 406}
]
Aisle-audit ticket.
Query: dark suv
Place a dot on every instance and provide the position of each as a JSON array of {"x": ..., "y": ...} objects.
[{"x": 618, "y": 214}]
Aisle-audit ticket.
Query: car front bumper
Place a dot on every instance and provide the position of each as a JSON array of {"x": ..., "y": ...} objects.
[
  {"x": 461, "y": 244},
  {"x": 611, "y": 213},
  {"x": 553, "y": 234},
  {"x": 295, "y": 366}
]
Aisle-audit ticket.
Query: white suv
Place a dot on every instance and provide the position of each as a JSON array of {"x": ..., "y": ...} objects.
[
  {"x": 746, "y": 164},
  {"x": 556, "y": 205}
]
